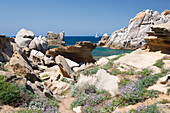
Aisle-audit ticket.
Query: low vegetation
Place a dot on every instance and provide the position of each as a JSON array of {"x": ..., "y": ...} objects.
[{"x": 13, "y": 94}]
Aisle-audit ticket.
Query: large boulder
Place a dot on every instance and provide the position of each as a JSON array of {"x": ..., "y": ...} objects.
[
  {"x": 102, "y": 80},
  {"x": 159, "y": 38},
  {"x": 39, "y": 43},
  {"x": 18, "y": 64},
  {"x": 81, "y": 52},
  {"x": 55, "y": 39},
  {"x": 132, "y": 37},
  {"x": 24, "y": 37},
  {"x": 60, "y": 60}
]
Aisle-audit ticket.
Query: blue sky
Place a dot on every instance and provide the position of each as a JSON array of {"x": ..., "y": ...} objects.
[{"x": 75, "y": 17}]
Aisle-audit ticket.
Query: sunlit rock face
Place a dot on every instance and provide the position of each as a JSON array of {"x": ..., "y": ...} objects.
[{"x": 132, "y": 37}]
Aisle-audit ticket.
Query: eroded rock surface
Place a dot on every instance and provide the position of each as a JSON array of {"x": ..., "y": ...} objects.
[
  {"x": 81, "y": 52},
  {"x": 19, "y": 65},
  {"x": 159, "y": 38}
]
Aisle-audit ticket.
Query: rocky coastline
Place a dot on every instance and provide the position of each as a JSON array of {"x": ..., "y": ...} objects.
[
  {"x": 34, "y": 78},
  {"x": 132, "y": 37}
]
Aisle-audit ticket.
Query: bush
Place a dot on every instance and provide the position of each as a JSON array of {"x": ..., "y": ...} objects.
[
  {"x": 149, "y": 80},
  {"x": 9, "y": 93},
  {"x": 65, "y": 80},
  {"x": 131, "y": 94},
  {"x": 107, "y": 66},
  {"x": 116, "y": 72},
  {"x": 91, "y": 71},
  {"x": 123, "y": 82},
  {"x": 41, "y": 105},
  {"x": 130, "y": 72},
  {"x": 80, "y": 101},
  {"x": 13, "y": 94},
  {"x": 145, "y": 71},
  {"x": 145, "y": 109},
  {"x": 159, "y": 63}
]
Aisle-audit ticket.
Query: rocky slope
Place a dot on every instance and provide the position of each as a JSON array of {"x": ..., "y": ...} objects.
[{"x": 132, "y": 37}]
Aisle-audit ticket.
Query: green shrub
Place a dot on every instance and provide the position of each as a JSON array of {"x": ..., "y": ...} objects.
[
  {"x": 159, "y": 63},
  {"x": 145, "y": 71},
  {"x": 80, "y": 101},
  {"x": 149, "y": 80},
  {"x": 9, "y": 93},
  {"x": 115, "y": 72},
  {"x": 86, "y": 89},
  {"x": 64, "y": 80},
  {"x": 107, "y": 66},
  {"x": 91, "y": 71},
  {"x": 119, "y": 56},
  {"x": 168, "y": 91},
  {"x": 130, "y": 72},
  {"x": 145, "y": 109},
  {"x": 123, "y": 82},
  {"x": 13, "y": 94}
]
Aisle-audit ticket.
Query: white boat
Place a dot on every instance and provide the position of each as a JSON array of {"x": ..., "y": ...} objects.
[{"x": 97, "y": 36}]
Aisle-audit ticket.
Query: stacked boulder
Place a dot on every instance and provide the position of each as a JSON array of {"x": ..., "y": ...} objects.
[
  {"x": 55, "y": 39},
  {"x": 132, "y": 37}
]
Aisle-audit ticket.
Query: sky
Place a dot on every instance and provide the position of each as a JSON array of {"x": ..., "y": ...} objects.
[{"x": 75, "y": 17}]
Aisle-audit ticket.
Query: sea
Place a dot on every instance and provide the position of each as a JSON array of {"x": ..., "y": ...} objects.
[{"x": 99, "y": 51}]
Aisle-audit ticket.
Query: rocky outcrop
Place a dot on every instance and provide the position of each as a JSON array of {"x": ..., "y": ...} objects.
[
  {"x": 159, "y": 38},
  {"x": 27, "y": 39},
  {"x": 132, "y": 37},
  {"x": 19, "y": 65},
  {"x": 103, "y": 40},
  {"x": 81, "y": 52},
  {"x": 55, "y": 39},
  {"x": 7, "y": 47}
]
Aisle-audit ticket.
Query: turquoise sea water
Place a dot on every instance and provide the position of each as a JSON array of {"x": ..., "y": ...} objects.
[{"x": 99, "y": 51}]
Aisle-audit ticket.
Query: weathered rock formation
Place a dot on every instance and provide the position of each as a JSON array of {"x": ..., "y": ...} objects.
[
  {"x": 159, "y": 38},
  {"x": 39, "y": 43},
  {"x": 132, "y": 37},
  {"x": 19, "y": 65},
  {"x": 7, "y": 47},
  {"x": 27, "y": 39},
  {"x": 81, "y": 52},
  {"x": 55, "y": 39},
  {"x": 24, "y": 37}
]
